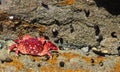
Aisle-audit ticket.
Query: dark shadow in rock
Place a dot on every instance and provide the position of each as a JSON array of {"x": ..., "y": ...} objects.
[
  {"x": 112, "y": 6},
  {"x": 99, "y": 53},
  {"x": 1, "y": 27},
  {"x": 0, "y": 2},
  {"x": 118, "y": 50}
]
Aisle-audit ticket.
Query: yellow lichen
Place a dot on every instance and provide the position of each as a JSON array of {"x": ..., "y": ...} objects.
[
  {"x": 29, "y": 70},
  {"x": 70, "y": 55},
  {"x": 116, "y": 67},
  {"x": 16, "y": 63},
  {"x": 53, "y": 60},
  {"x": 36, "y": 58},
  {"x": 97, "y": 60},
  {"x": 58, "y": 69}
]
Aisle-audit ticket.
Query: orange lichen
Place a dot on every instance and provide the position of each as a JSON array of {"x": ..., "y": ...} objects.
[
  {"x": 116, "y": 68},
  {"x": 2, "y": 68},
  {"x": 70, "y": 55},
  {"x": 96, "y": 59},
  {"x": 53, "y": 60},
  {"x": 36, "y": 58},
  {"x": 29, "y": 70},
  {"x": 16, "y": 63},
  {"x": 58, "y": 69},
  {"x": 37, "y": 27},
  {"x": 67, "y": 2},
  {"x": 87, "y": 59}
]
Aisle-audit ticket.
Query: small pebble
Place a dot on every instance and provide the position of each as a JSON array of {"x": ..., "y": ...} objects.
[
  {"x": 105, "y": 51},
  {"x": 85, "y": 49},
  {"x": 61, "y": 64},
  {"x": 11, "y": 17}
]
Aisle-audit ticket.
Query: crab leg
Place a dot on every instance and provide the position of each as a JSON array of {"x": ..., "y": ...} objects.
[
  {"x": 11, "y": 48},
  {"x": 44, "y": 53},
  {"x": 16, "y": 51}
]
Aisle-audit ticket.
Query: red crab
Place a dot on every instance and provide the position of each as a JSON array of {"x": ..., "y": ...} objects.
[{"x": 33, "y": 46}]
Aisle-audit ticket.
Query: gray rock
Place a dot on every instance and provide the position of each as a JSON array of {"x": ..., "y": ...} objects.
[
  {"x": 110, "y": 44},
  {"x": 10, "y": 69},
  {"x": 85, "y": 49}
]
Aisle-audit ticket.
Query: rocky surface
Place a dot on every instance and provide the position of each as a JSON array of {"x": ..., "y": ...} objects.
[{"x": 88, "y": 34}]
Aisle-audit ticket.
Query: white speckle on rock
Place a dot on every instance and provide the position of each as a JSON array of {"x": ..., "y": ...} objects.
[
  {"x": 85, "y": 49},
  {"x": 11, "y": 17}
]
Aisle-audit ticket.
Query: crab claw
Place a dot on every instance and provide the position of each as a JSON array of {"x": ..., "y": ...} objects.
[
  {"x": 11, "y": 47},
  {"x": 51, "y": 46},
  {"x": 42, "y": 40}
]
